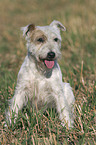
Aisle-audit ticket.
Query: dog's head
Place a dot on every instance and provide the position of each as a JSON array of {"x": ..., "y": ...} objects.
[{"x": 44, "y": 42}]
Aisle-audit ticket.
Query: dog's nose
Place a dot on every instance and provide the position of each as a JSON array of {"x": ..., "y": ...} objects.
[{"x": 51, "y": 55}]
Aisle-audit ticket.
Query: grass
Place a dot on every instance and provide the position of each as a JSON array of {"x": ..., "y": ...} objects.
[{"x": 78, "y": 65}]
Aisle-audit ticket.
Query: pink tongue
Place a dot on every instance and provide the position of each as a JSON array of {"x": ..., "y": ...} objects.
[{"x": 49, "y": 64}]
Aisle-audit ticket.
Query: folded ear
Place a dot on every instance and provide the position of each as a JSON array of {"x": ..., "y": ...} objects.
[
  {"x": 57, "y": 24},
  {"x": 27, "y": 29}
]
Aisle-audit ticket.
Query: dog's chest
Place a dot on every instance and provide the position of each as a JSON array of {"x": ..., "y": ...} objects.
[{"x": 41, "y": 88}]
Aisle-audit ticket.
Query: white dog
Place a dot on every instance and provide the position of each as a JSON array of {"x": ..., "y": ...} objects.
[{"x": 40, "y": 73}]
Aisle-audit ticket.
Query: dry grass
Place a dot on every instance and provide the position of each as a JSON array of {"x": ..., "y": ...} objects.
[{"x": 78, "y": 66}]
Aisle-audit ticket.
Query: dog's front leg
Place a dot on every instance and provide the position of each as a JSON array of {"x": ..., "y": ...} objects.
[
  {"x": 63, "y": 110},
  {"x": 16, "y": 104}
]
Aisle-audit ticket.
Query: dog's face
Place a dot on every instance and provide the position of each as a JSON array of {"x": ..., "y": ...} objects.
[{"x": 44, "y": 43}]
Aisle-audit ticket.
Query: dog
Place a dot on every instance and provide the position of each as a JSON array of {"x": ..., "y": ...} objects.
[{"x": 40, "y": 73}]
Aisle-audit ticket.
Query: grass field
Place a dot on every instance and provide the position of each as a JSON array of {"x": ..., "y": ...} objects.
[{"x": 78, "y": 65}]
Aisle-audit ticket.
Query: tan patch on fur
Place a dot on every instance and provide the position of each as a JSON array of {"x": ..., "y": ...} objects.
[{"x": 36, "y": 34}]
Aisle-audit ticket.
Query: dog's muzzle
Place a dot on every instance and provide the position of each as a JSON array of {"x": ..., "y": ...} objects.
[{"x": 49, "y": 61}]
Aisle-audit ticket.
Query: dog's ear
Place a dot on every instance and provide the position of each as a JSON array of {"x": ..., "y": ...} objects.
[
  {"x": 27, "y": 29},
  {"x": 57, "y": 24}
]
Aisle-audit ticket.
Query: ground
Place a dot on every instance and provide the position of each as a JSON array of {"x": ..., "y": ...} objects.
[{"x": 78, "y": 65}]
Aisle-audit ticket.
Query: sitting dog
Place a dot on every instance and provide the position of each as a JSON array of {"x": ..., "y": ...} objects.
[{"x": 40, "y": 73}]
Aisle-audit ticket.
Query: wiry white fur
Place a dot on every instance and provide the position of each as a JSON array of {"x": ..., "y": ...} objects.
[{"x": 47, "y": 84}]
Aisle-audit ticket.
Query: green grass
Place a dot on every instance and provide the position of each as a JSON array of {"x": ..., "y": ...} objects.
[{"x": 78, "y": 65}]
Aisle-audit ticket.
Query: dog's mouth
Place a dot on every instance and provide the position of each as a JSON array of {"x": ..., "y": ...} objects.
[{"x": 49, "y": 63}]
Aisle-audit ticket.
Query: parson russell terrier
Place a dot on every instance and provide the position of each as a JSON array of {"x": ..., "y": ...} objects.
[{"x": 40, "y": 73}]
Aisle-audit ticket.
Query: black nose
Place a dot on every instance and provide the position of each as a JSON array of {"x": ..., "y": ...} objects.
[{"x": 51, "y": 55}]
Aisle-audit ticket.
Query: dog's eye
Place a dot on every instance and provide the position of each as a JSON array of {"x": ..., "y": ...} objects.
[
  {"x": 40, "y": 40},
  {"x": 56, "y": 39}
]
